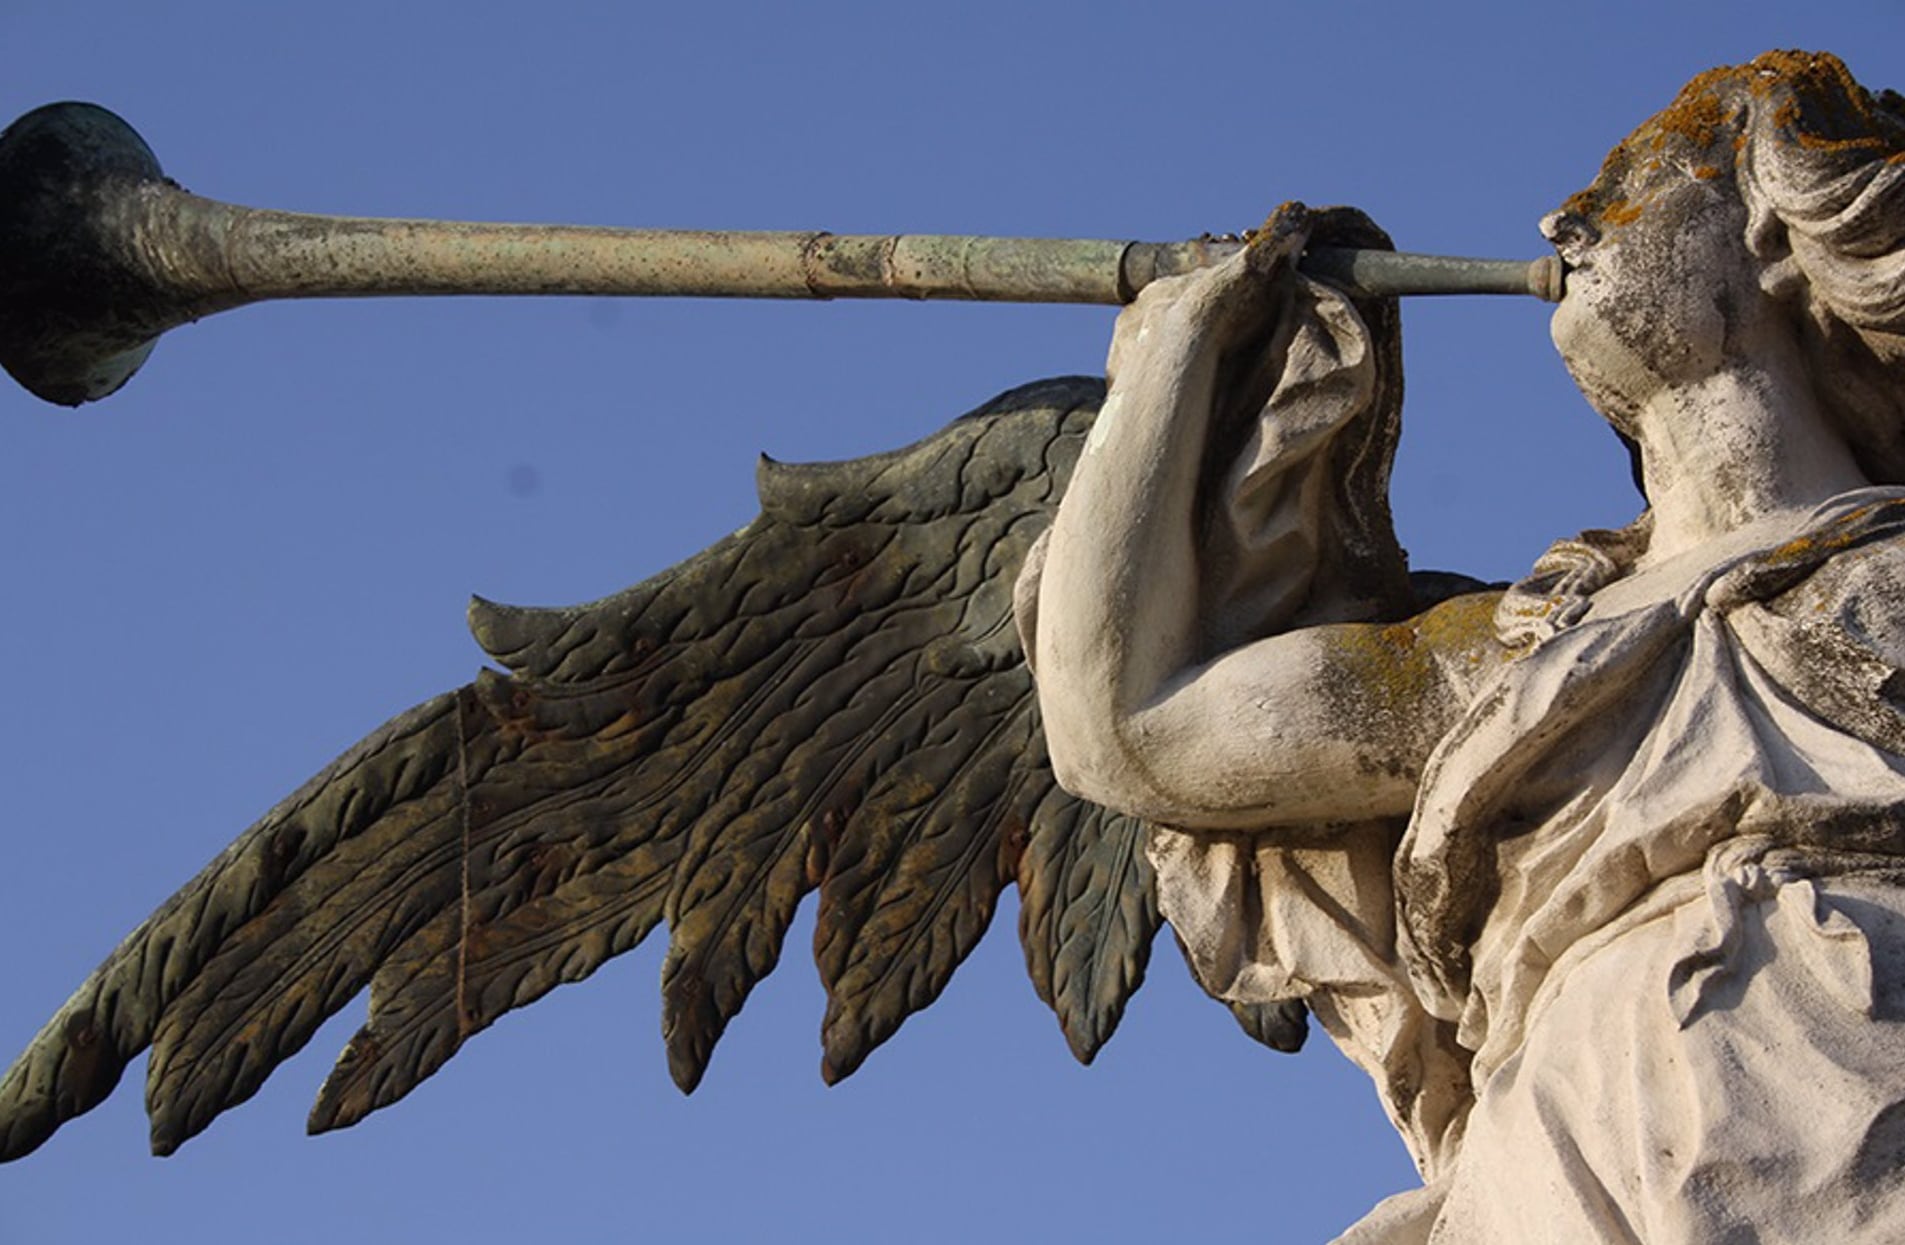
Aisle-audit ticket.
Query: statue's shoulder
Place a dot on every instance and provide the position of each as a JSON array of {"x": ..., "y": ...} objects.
[
  {"x": 1851, "y": 548},
  {"x": 1851, "y": 583},
  {"x": 1824, "y": 616}
]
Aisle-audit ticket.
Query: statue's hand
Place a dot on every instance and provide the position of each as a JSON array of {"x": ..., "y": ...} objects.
[{"x": 1223, "y": 305}]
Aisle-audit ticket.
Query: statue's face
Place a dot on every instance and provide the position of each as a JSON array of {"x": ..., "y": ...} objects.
[{"x": 1661, "y": 289}]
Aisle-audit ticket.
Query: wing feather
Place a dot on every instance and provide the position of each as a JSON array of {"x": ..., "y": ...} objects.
[
  {"x": 833, "y": 697},
  {"x": 911, "y": 897},
  {"x": 79, "y": 1055},
  {"x": 1088, "y": 915}
]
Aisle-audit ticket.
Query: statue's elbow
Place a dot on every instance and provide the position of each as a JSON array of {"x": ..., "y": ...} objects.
[
  {"x": 1105, "y": 771},
  {"x": 1086, "y": 780},
  {"x": 1089, "y": 764},
  {"x": 1072, "y": 765},
  {"x": 1103, "y": 755}
]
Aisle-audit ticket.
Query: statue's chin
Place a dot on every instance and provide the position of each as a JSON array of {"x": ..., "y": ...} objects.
[{"x": 1610, "y": 376}]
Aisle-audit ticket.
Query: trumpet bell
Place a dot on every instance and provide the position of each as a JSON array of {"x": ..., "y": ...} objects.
[{"x": 76, "y": 317}]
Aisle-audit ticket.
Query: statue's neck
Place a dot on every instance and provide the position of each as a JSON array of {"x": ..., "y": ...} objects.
[{"x": 1742, "y": 445}]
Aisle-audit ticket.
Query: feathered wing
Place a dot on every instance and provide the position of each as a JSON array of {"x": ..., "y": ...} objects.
[{"x": 832, "y": 699}]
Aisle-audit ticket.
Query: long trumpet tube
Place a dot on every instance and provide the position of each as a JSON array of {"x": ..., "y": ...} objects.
[
  {"x": 218, "y": 252},
  {"x": 100, "y": 253}
]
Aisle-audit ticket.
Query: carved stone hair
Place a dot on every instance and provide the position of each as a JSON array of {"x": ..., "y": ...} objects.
[{"x": 1819, "y": 163}]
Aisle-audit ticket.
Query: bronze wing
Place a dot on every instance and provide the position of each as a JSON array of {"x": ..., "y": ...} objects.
[{"x": 832, "y": 699}]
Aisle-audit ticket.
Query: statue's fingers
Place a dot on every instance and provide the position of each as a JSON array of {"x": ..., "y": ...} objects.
[
  {"x": 1235, "y": 297},
  {"x": 1228, "y": 300},
  {"x": 1275, "y": 246}
]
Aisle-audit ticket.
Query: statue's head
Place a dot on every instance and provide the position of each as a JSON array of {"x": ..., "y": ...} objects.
[{"x": 1768, "y": 198}]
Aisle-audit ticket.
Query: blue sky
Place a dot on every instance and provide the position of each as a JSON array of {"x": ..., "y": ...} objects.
[{"x": 261, "y": 549}]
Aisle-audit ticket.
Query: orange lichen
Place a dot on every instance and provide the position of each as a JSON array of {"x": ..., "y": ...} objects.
[
  {"x": 1817, "y": 106},
  {"x": 1620, "y": 212},
  {"x": 1828, "y": 110},
  {"x": 1847, "y": 530},
  {"x": 1696, "y": 114}
]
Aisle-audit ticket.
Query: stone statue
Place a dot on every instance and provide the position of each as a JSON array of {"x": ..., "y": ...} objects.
[{"x": 1598, "y": 876}]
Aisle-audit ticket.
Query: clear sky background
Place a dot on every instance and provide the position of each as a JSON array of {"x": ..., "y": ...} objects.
[{"x": 260, "y": 550}]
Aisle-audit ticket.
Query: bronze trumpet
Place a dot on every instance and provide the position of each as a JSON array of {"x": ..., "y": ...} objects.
[{"x": 100, "y": 253}]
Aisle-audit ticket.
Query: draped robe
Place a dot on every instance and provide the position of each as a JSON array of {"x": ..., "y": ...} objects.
[{"x": 1655, "y": 877}]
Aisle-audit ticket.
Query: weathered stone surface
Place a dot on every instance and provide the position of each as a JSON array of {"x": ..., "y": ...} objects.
[{"x": 1601, "y": 878}]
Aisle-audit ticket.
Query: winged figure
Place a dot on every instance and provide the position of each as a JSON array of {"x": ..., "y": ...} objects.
[
  {"x": 833, "y": 699},
  {"x": 1653, "y": 792}
]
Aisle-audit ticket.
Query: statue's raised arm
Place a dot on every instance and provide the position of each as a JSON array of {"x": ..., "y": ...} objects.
[
  {"x": 1218, "y": 577},
  {"x": 1228, "y": 642},
  {"x": 1653, "y": 873}
]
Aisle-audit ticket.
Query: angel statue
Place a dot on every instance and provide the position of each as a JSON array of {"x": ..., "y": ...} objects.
[{"x": 1598, "y": 876}]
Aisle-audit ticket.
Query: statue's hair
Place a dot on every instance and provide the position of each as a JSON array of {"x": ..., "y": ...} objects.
[
  {"x": 1819, "y": 163},
  {"x": 1822, "y": 173}
]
